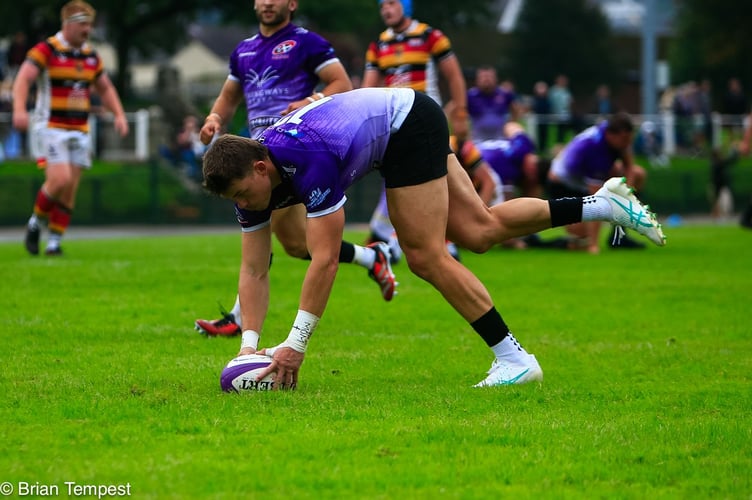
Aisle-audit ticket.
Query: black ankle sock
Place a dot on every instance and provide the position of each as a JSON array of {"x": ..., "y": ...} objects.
[
  {"x": 565, "y": 211},
  {"x": 491, "y": 327}
]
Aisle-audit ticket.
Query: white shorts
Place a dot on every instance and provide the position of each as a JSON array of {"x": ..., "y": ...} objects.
[{"x": 64, "y": 146}]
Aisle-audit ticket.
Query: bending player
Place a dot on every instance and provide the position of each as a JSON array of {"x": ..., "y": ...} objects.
[{"x": 316, "y": 153}]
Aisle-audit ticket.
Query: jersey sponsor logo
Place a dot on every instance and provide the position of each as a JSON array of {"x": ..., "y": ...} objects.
[
  {"x": 318, "y": 197},
  {"x": 261, "y": 80},
  {"x": 247, "y": 54},
  {"x": 284, "y": 47}
]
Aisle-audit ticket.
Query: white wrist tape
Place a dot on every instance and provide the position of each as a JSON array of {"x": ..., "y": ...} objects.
[
  {"x": 250, "y": 339},
  {"x": 302, "y": 329}
]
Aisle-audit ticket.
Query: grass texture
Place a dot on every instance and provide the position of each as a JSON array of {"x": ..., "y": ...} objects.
[{"x": 646, "y": 356}]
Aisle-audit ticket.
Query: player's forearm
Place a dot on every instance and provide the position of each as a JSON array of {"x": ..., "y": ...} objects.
[
  {"x": 222, "y": 111},
  {"x": 337, "y": 86},
  {"x": 371, "y": 78},
  {"x": 20, "y": 95},
  {"x": 253, "y": 292},
  {"x": 317, "y": 285},
  {"x": 111, "y": 101}
]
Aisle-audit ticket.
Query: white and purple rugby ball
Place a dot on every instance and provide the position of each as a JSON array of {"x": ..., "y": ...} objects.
[{"x": 240, "y": 374}]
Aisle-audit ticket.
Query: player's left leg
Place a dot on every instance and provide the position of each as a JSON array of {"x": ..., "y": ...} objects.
[
  {"x": 60, "y": 216},
  {"x": 419, "y": 214},
  {"x": 636, "y": 177}
]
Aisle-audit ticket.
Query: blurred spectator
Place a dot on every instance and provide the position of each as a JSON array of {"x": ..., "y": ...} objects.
[
  {"x": 735, "y": 102},
  {"x": 187, "y": 149},
  {"x": 705, "y": 110},
  {"x": 489, "y": 104},
  {"x": 603, "y": 106},
  {"x": 17, "y": 50},
  {"x": 561, "y": 106},
  {"x": 649, "y": 142},
  {"x": 720, "y": 176},
  {"x": 735, "y": 105},
  {"x": 683, "y": 109},
  {"x": 666, "y": 102},
  {"x": 542, "y": 108},
  {"x": 744, "y": 149}
]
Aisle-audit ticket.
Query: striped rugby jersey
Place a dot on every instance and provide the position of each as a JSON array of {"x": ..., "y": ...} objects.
[
  {"x": 467, "y": 153},
  {"x": 64, "y": 86},
  {"x": 410, "y": 58}
]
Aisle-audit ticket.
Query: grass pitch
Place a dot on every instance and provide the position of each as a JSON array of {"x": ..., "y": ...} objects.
[{"x": 646, "y": 358}]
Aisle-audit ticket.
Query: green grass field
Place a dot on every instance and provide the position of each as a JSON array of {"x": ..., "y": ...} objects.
[{"x": 646, "y": 394}]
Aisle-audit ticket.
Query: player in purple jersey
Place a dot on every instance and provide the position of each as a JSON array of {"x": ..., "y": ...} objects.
[
  {"x": 594, "y": 155},
  {"x": 514, "y": 159},
  {"x": 489, "y": 105},
  {"x": 314, "y": 154},
  {"x": 276, "y": 71}
]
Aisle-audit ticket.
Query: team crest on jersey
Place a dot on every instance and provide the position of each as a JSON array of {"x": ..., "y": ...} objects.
[{"x": 284, "y": 48}]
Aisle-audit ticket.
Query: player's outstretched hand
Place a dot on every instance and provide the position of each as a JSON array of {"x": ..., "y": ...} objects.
[
  {"x": 285, "y": 366},
  {"x": 211, "y": 127}
]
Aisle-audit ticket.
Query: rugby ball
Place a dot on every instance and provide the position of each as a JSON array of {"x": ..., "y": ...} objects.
[{"x": 240, "y": 374}]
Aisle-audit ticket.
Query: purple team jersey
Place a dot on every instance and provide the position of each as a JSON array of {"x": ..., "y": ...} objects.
[
  {"x": 506, "y": 156},
  {"x": 320, "y": 150},
  {"x": 488, "y": 113},
  {"x": 277, "y": 70},
  {"x": 586, "y": 160}
]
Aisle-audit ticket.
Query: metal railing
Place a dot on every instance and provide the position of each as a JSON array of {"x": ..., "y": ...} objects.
[{"x": 106, "y": 143}]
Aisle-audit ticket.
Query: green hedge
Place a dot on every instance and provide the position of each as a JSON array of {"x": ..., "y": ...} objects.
[
  {"x": 153, "y": 192},
  {"x": 684, "y": 187}
]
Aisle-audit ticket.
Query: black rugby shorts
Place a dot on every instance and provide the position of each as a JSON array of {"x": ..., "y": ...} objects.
[{"x": 417, "y": 152}]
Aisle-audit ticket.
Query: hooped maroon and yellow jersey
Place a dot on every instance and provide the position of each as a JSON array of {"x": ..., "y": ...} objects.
[
  {"x": 64, "y": 86},
  {"x": 410, "y": 58},
  {"x": 467, "y": 153}
]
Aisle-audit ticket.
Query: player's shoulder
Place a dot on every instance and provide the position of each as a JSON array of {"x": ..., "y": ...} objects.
[
  {"x": 305, "y": 33},
  {"x": 423, "y": 29}
]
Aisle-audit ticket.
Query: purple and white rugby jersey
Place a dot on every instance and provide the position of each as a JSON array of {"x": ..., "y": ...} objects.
[
  {"x": 277, "y": 70},
  {"x": 586, "y": 160},
  {"x": 320, "y": 150},
  {"x": 506, "y": 156}
]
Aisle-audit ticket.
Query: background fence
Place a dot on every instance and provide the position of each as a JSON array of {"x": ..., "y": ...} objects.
[{"x": 131, "y": 183}]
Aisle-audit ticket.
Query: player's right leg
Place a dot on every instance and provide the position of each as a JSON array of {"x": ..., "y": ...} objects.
[
  {"x": 289, "y": 225},
  {"x": 226, "y": 326}
]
